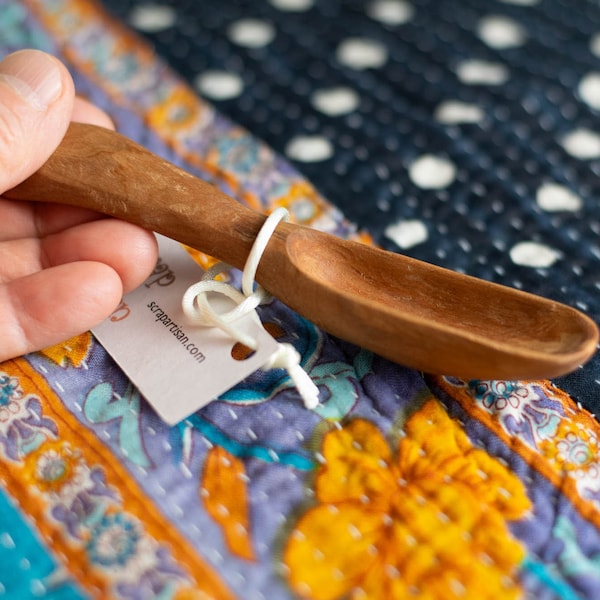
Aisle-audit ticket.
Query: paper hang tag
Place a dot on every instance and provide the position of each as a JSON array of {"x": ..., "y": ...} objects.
[{"x": 178, "y": 367}]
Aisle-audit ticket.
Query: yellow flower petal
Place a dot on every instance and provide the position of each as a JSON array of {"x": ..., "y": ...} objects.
[
  {"x": 436, "y": 433},
  {"x": 429, "y": 521},
  {"x": 331, "y": 549},
  {"x": 359, "y": 465},
  {"x": 445, "y": 451},
  {"x": 500, "y": 488}
]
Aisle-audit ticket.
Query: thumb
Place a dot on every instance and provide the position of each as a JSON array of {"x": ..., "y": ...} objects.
[{"x": 36, "y": 102}]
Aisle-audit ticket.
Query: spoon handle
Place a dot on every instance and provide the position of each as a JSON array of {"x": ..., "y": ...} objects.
[
  {"x": 99, "y": 169},
  {"x": 412, "y": 312}
]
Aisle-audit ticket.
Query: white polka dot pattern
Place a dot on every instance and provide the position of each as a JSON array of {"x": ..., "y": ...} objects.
[
  {"x": 533, "y": 254},
  {"x": 251, "y": 33},
  {"x": 336, "y": 101},
  {"x": 595, "y": 44},
  {"x": 501, "y": 32},
  {"x": 432, "y": 172},
  {"x": 151, "y": 18},
  {"x": 219, "y": 85},
  {"x": 407, "y": 234},
  {"x": 309, "y": 148},
  {"x": 473, "y": 72},
  {"x": 292, "y": 5},
  {"x": 589, "y": 89},
  {"x": 361, "y": 53},
  {"x": 453, "y": 111},
  {"x": 553, "y": 197},
  {"x": 582, "y": 143},
  {"x": 390, "y": 12}
]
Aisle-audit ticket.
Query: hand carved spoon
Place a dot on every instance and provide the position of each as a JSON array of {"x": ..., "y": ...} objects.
[{"x": 409, "y": 311}]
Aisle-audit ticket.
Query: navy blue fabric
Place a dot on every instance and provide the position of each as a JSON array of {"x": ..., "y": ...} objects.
[{"x": 501, "y": 160}]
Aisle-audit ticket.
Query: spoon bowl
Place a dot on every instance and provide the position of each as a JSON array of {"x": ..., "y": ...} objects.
[
  {"x": 409, "y": 311},
  {"x": 450, "y": 323}
]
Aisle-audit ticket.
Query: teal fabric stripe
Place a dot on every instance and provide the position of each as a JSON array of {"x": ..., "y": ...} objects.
[
  {"x": 541, "y": 572},
  {"x": 27, "y": 569},
  {"x": 293, "y": 459}
]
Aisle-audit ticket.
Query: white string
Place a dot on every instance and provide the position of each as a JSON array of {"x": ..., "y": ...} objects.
[{"x": 198, "y": 309}]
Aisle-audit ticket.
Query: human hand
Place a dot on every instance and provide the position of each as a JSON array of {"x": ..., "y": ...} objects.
[{"x": 62, "y": 269}]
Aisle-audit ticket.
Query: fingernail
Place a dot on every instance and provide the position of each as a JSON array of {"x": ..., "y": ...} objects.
[{"x": 33, "y": 75}]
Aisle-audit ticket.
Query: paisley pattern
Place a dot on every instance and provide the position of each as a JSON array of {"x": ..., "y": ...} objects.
[{"x": 399, "y": 485}]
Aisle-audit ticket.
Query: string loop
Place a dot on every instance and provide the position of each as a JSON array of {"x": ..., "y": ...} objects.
[{"x": 198, "y": 309}]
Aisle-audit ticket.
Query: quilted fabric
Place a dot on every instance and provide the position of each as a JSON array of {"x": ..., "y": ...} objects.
[
  {"x": 461, "y": 132},
  {"x": 399, "y": 484}
]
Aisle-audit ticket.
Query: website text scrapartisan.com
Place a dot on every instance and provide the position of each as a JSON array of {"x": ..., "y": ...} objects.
[{"x": 162, "y": 317}]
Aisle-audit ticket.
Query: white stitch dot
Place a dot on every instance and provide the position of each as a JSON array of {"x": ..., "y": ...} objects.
[
  {"x": 362, "y": 53},
  {"x": 534, "y": 254},
  {"x": 443, "y": 517},
  {"x": 318, "y": 554},
  {"x": 354, "y": 532},
  {"x": 152, "y": 18},
  {"x": 293, "y": 5},
  {"x": 595, "y": 44},
  {"x": 251, "y": 33},
  {"x": 219, "y": 85},
  {"x": 391, "y": 571},
  {"x": 453, "y": 112},
  {"x": 383, "y": 204},
  {"x": 335, "y": 101},
  {"x": 37, "y": 588},
  {"x": 582, "y": 143},
  {"x": 553, "y": 197},
  {"x": 407, "y": 234},
  {"x": 432, "y": 172},
  {"x": 390, "y": 12},
  {"x": 474, "y": 72},
  {"x": 589, "y": 90},
  {"x": 306, "y": 148},
  {"x": 304, "y": 588},
  {"x": 501, "y": 32},
  {"x": 457, "y": 587},
  {"x": 320, "y": 459}
]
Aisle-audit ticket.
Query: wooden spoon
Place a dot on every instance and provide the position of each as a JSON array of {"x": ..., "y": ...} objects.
[{"x": 409, "y": 311}]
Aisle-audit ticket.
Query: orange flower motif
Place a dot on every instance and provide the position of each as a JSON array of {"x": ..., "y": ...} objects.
[
  {"x": 53, "y": 466},
  {"x": 574, "y": 447},
  {"x": 429, "y": 520},
  {"x": 73, "y": 350},
  {"x": 179, "y": 111},
  {"x": 224, "y": 494},
  {"x": 303, "y": 203}
]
